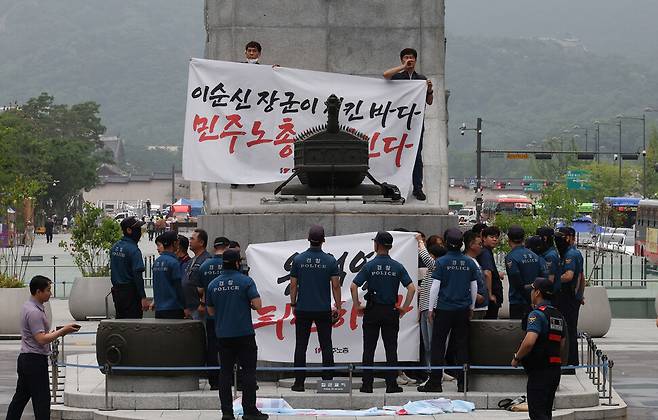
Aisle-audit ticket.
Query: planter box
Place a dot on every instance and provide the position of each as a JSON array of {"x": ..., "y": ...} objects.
[
  {"x": 87, "y": 298},
  {"x": 595, "y": 316},
  {"x": 11, "y": 305}
]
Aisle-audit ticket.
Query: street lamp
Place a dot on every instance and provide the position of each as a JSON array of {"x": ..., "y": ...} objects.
[
  {"x": 643, "y": 118},
  {"x": 478, "y": 152},
  {"x": 577, "y": 127}
]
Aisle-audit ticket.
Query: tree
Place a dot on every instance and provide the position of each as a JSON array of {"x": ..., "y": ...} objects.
[
  {"x": 557, "y": 203},
  {"x": 652, "y": 161},
  {"x": 605, "y": 180},
  {"x": 54, "y": 146}
]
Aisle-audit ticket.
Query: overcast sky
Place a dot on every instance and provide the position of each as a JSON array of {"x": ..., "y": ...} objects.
[{"x": 624, "y": 27}]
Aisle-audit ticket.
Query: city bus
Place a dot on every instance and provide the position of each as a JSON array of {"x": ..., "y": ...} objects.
[
  {"x": 626, "y": 210},
  {"x": 646, "y": 230},
  {"x": 508, "y": 204}
]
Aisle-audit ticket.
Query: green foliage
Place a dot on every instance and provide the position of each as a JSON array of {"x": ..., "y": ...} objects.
[
  {"x": 92, "y": 237},
  {"x": 8, "y": 282},
  {"x": 557, "y": 203},
  {"x": 50, "y": 152},
  {"x": 528, "y": 223},
  {"x": 605, "y": 181},
  {"x": 652, "y": 161}
]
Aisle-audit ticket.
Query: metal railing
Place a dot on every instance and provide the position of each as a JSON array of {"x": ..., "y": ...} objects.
[{"x": 598, "y": 368}]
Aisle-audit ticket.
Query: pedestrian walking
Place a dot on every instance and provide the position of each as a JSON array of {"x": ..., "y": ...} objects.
[{"x": 32, "y": 365}]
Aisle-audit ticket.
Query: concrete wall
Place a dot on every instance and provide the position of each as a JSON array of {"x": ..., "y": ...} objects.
[
  {"x": 361, "y": 37},
  {"x": 158, "y": 191}
]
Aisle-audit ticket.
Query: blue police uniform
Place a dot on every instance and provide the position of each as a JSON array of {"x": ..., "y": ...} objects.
[
  {"x": 455, "y": 272},
  {"x": 543, "y": 363},
  {"x": 126, "y": 268},
  {"x": 230, "y": 295},
  {"x": 382, "y": 276},
  {"x": 488, "y": 263},
  {"x": 208, "y": 271},
  {"x": 523, "y": 267},
  {"x": 167, "y": 290},
  {"x": 569, "y": 299},
  {"x": 554, "y": 268},
  {"x": 313, "y": 270}
]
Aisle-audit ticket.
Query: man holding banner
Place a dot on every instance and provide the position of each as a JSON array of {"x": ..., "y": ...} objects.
[
  {"x": 314, "y": 275},
  {"x": 383, "y": 276}
]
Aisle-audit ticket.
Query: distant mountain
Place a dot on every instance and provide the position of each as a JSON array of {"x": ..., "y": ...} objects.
[{"x": 132, "y": 56}]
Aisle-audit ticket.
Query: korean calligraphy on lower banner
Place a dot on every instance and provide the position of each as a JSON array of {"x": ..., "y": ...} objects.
[
  {"x": 275, "y": 322},
  {"x": 242, "y": 120}
]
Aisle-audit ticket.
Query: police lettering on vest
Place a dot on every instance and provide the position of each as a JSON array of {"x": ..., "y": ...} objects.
[
  {"x": 455, "y": 271},
  {"x": 522, "y": 262},
  {"x": 167, "y": 290},
  {"x": 384, "y": 276},
  {"x": 231, "y": 294},
  {"x": 313, "y": 270}
]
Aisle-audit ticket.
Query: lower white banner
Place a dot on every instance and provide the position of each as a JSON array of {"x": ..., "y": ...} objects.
[{"x": 275, "y": 322}]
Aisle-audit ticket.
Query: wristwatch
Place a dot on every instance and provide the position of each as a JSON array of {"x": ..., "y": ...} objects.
[{"x": 516, "y": 358}]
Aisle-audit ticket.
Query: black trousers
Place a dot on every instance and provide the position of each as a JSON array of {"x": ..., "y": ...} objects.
[
  {"x": 384, "y": 318},
  {"x": 541, "y": 387},
  {"x": 243, "y": 351},
  {"x": 303, "y": 322},
  {"x": 127, "y": 303},
  {"x": 454, "y": 323},
  {"x": 211, "y": 352},
  {"x": 569, "y": 307},
  {"x": 170, "y": 314},
  {"x": 417, "y": 174},
  {"x": 492, "y": 310},
  {"x": 49, "y": 236},
  {"x": 33, "y": 383}
]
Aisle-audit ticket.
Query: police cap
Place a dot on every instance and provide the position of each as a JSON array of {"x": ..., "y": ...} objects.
[
  {"x": 515, "y": 233},
  {"x": 544, "y": 286},
  {"x": 230, "y": 256},
  {"x": 453, "y": 238},
  {"x": 545, "y": 231},
  {"x": 567, "y": 231},
  {"x": 220, "y": 241},
  {"x": 384, "y": 238},
  {"x": 131, "y": 222},
  {"x": 167, "y": 239}
]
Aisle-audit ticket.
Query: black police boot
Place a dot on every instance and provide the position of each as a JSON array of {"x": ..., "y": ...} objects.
[
  {"x": 420, "y": 195},
  {"x": 255, "y": 416},
  {"x": 228, "y": 416},
  {"x": 393, "y": 389},
  {"x": 297, "y": 387},
  {"x": 430, "y": 387},
  {"x": 366, "y": 388}
]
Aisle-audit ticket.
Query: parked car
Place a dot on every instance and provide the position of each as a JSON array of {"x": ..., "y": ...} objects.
[{"x": 466, "y": 215}]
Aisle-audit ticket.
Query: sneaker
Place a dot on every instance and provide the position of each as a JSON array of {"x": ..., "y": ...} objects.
[
  {"x": 228, "y": 416},
  {"x": 406, "y": 378},
  {"x": 402, "y": 380},
  {"x": 255, "y": 416},
  {"x": 394, "y": 389},
  {"x": 447, "y": 377},
  {"x": 366, "y": 389},
  {"x": 428, "y": 387},
  {"x": 420, "y": 195},
  {"x": 297, "y": 387}
]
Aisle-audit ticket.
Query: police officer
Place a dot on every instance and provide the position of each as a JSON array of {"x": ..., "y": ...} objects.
[
  {"x": 126, "y": 271},
  {"x": 572, "y": 287},
  {"x": 452, "y": 296},
  {"x": 383, "y": 276},
  {"x": 314, "y": 276},
  {"x": 492, "y": 278},
  {"x": 539, "y": 353},
  {"x": 523, "y": 267},
  {"x": 552, "y": 258},
  {"x": 230, "y": 299},
  {"x": 208, "y": 271},
  {"x": 168, "y": 297}
]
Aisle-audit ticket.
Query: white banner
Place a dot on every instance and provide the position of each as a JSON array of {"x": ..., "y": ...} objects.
[
  {"x": 242, "y": 119},
  {"x": 275, "y": 329}
]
